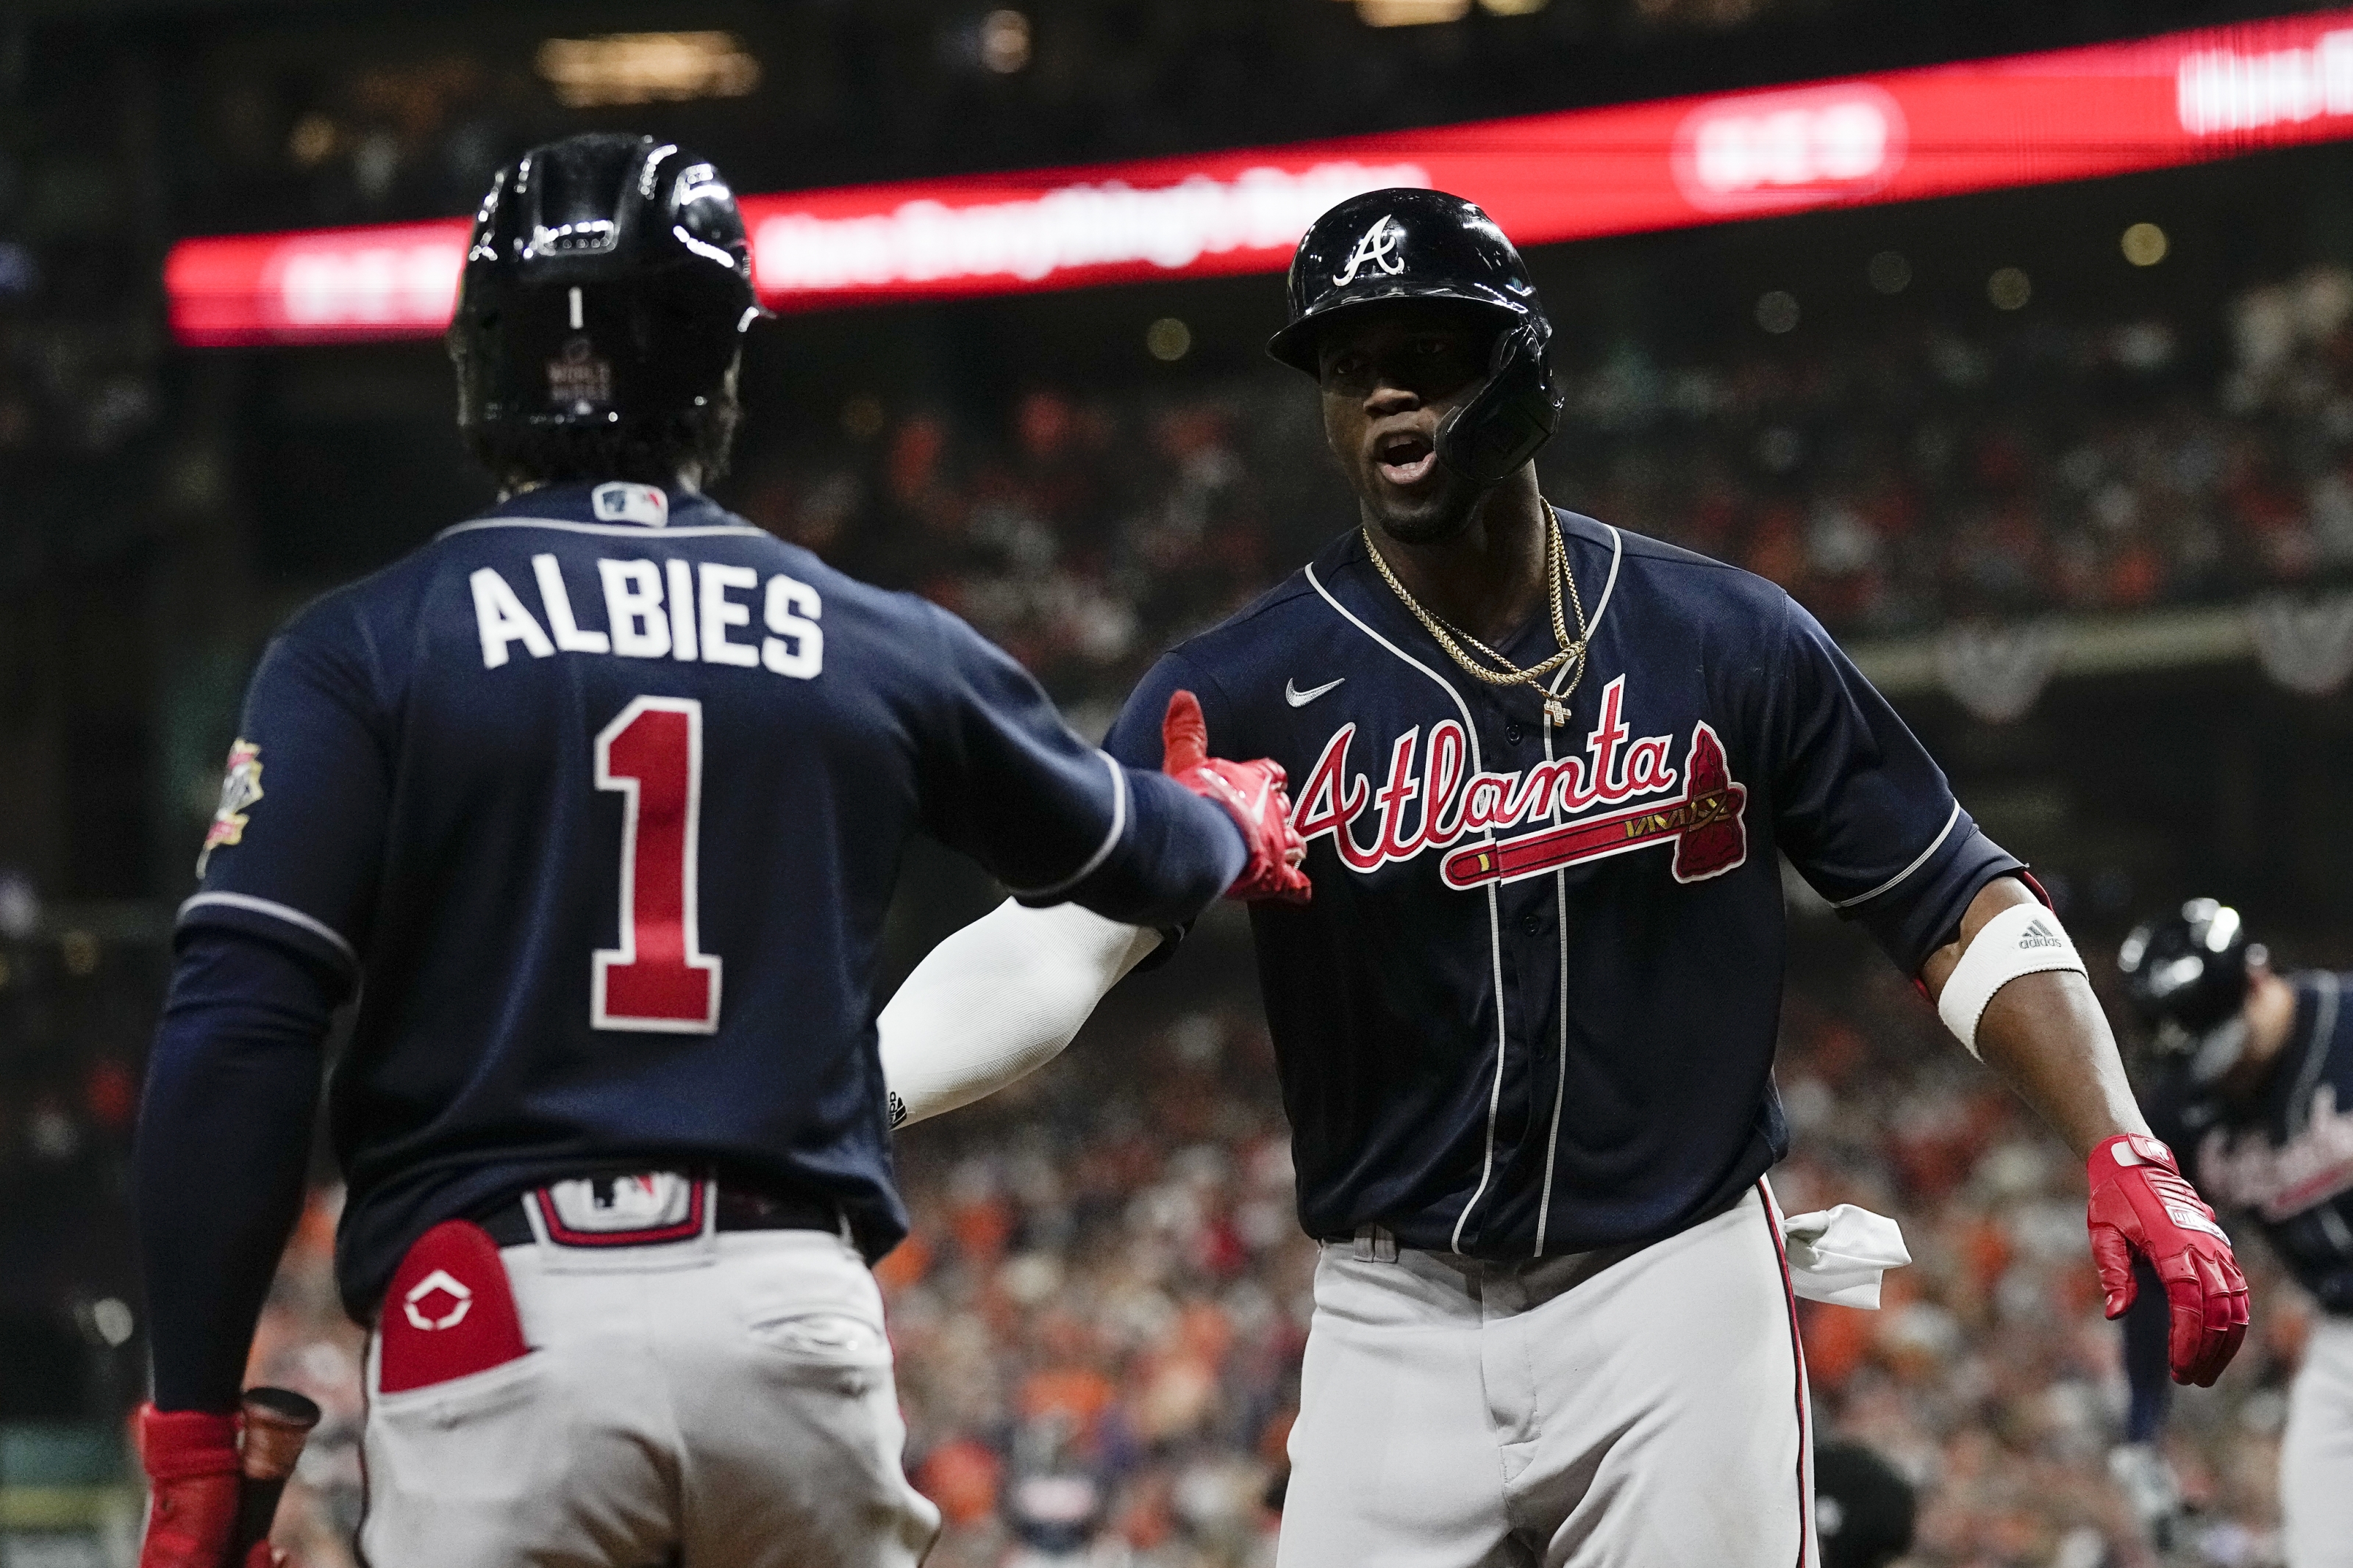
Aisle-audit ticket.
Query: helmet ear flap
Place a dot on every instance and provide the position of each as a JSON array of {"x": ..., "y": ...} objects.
[{"x": 1505, "y": 424}]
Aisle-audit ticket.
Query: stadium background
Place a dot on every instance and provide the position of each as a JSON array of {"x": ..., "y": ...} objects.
[{"x": 2078, "y": 492}]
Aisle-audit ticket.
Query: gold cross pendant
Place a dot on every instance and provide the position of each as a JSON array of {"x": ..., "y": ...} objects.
[{"x": 1555, "y": 712}]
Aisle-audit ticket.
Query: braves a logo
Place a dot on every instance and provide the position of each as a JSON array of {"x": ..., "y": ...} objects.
[
  {"x": 1702, "y": 819},
  {"x": 1378, "y": 248}
]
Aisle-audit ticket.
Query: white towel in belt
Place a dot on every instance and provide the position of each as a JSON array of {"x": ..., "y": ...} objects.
[{"x": 1836, "y": 1255}]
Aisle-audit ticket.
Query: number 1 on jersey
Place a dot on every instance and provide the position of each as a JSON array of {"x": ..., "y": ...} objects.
[{"x": 658, "y": 979}]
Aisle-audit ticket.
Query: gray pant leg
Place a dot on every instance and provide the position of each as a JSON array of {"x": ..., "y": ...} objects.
[
  {"x": 2316, "y": 1453},
  {"x": 1393, "y": 1464}
]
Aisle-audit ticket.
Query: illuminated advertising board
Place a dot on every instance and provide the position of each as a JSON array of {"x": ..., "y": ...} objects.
[{"x": 2026, "y": 119}]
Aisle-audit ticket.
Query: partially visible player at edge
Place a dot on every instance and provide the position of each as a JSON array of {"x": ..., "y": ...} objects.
[
  {"x": 2256, "y": 1088},
  {"x": 1546, "y": 771},
  {"x": 603, "y": 794}
]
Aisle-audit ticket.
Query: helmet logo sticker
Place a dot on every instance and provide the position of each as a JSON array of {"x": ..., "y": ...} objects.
[
  {"x": 1378, "y": 248},
  {"x": 577, "y": 380}
]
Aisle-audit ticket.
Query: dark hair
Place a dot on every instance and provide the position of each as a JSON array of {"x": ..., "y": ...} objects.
[{"x": 649, "y": 452}]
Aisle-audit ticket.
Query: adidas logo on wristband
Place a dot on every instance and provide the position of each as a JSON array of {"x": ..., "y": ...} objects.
[{"x": 2036, "y": 935}]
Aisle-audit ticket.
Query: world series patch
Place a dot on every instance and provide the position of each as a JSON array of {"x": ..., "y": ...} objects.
[{"x": 240, "y": 787}]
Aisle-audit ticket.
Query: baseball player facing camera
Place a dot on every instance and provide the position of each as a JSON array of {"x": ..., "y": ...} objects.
[
  {"x": 596, "y": 802},
  {"x": 2255, "y": 1087},
  {"x": 1546, "y": 771}
]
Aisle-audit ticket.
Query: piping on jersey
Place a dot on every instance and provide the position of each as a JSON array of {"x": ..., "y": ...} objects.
[
  {"x": 2323, "y": 1035},
  {"x": 1773, "y": 1223},
  {"x": 1102, "y": 850},
  {"x": 1495, "y": 919},
  {"x": 1610, "y": 586},
  {"x": 285, "y": 912},
  {"x": 610, "y": 530},
  {"x": 1917, "y": 861},
  {"x": 1560, "y": 923},
  {"x": 1560, "y": 902}
]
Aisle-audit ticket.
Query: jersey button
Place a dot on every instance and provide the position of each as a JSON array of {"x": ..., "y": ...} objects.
[
  {"x": 1513, "y": 734},
  {"x": 1533, "y": 923}
]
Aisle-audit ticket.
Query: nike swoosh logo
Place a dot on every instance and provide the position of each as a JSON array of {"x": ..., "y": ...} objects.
[{"x": 1298, "y": 699}]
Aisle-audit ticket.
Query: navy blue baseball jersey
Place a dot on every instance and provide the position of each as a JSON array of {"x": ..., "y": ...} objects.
[
  {"x": 604, "y": 795},
  {"x": 1532, "y": 1006},
  {"x": 2283, "y": 1160}
]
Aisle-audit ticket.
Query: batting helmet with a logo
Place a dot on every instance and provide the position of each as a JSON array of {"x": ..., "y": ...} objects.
[{"x": 1409, "y": 244}]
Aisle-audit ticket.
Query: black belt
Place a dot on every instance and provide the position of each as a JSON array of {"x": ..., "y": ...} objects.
[{"x": 507, "y": 1223}]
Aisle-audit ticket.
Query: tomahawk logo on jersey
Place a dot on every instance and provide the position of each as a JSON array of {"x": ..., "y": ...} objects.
[
  {"x": 625, "y": 725},
  {"x": 1533, "y": 1006}
]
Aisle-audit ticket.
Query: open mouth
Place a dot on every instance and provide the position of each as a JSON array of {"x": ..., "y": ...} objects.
[{"x": 1405, "y": 457}]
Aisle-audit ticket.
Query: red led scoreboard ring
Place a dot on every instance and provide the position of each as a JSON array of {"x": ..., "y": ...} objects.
[{"x": 1982, "y": 125}]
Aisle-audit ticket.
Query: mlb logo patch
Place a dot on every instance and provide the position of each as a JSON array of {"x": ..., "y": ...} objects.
[
  {"x": 644, "y": 504},
  {"x": 635, "y": 1210}
]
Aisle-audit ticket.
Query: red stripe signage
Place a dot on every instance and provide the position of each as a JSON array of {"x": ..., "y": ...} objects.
[{"x": 1901, "y": 136}]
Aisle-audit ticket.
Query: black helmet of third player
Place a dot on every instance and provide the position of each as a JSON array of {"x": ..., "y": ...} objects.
[
  {"x": 607, "y": 282},
  {"x": 1409, "y": 244},
  {"x": 2187, "y": 975}
]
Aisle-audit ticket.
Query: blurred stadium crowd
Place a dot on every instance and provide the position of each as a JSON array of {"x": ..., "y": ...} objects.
[
  {"x": 1099, "y": 1315},
  {"x": 1893, "y": 482}
]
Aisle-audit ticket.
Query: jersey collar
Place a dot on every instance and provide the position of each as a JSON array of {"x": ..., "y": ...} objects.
[{"x": 1596, "y": 553}]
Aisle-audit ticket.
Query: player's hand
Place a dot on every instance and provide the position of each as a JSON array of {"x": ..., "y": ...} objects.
[
  {"x": 192, "y": 1472},
  {"x": 2150, "y": 1490},
  {"x": 1252, "y": 793},
  {"x": 2141, "y": 1204}
]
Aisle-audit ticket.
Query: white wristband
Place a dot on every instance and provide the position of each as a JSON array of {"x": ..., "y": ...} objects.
[{"x": 2024, "y": 939}]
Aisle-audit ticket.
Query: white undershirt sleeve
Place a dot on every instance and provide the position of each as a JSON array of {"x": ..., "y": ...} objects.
[{"x": 999, "y": 1000}]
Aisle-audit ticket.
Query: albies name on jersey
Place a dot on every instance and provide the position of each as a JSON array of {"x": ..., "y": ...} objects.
[
  {"x": 675, "y": 609},
  {"x": 1702, "y": 819}
]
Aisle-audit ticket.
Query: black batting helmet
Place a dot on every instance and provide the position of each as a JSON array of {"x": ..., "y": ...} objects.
[
  {"x": 2187, "y": 975},
  {"x": 607, "y": 281},
  {"x": 1410, "y": 244}
]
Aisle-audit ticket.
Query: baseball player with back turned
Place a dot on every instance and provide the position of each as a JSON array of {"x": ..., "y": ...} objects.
[
  {"x": 1546, "y": 771},
  {"x": 2257, "y": 1089},
  {"x": 602, "y": 794}
]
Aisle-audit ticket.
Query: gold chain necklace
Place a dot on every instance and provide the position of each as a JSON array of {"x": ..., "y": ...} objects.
[{"x": 1556, "y": 575}]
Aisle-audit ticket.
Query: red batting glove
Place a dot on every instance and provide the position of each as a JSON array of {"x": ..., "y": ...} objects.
[
  {"x": 2141, "y": 1204},
  {"x": 191, "y": 1460},
  {"x": 1251, "y": 793}
]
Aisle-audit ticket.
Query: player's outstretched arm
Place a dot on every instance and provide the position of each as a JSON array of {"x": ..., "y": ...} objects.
[
  {"x": 2010, "y": 987},
  {"x": 999, "y": 1000},
  {"x": 1058, "y": 820}
]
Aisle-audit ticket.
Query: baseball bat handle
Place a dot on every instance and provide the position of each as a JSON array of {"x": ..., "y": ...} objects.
[{"x": 278, "y": 1422}]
